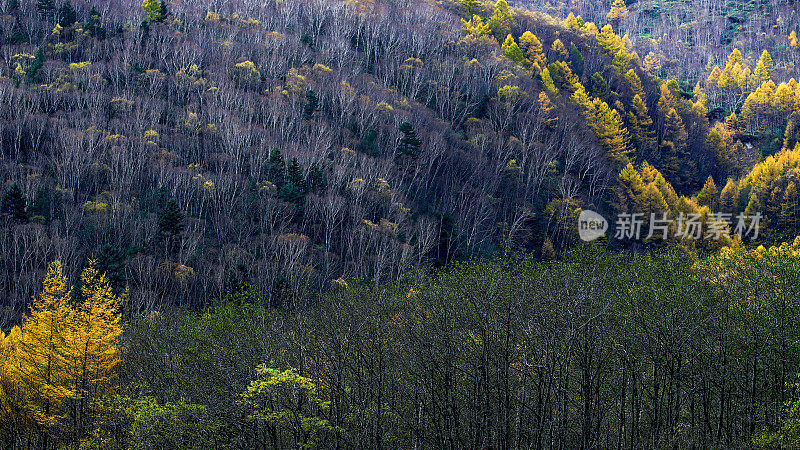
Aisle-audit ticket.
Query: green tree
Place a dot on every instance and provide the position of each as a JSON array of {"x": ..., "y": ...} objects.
[
  {"x": 641, "y": 127},
  {"x": 94, "y": 24},
  {"x": 512, "y": 50},
  {"x": 13, "y": 205},
  {"x": 472, "y": 7},
  {"x": 576, "y": 60},
  {"x": 708, "y": 196},
  {"x": 410, "y": 144},
  {"x": 501, "y": 20},
  {"x": 46, "y": 8},
  {"x": 67, "y": 15},
  {"x": 277, "y": 168},
  {"x": 12, "y": 5},
  {"x": 290, "y": 405},
  {"x": 33, "y": 70},
  {"x": 312, "y": 104},
  {"x": 171, "y": 221}
]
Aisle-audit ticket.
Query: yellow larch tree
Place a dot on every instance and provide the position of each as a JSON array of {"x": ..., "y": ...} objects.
[
  {"x": 40, "y": 366},
  {"x": 93, "y": 352}
]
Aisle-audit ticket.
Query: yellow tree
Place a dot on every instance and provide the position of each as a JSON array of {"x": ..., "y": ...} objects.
[
  {"x": 618, "y": 12},
  {"x": 765, "y": 66},
  {"x": 153, "y": 9},
  {"x": 501, "y": 19},
  {"x": 532, "y": 50},
  {"x": 93, "y": 353},
  {"x": 40, "y": 368}
]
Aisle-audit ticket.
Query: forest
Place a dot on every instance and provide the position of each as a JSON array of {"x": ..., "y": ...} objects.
[{"x": 357, "y": 224}]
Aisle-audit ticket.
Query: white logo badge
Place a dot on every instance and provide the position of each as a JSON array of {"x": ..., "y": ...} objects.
[{"x": 591, "y": 225}]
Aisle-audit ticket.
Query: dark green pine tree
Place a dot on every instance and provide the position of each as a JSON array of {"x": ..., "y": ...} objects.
[
  {"x": 171, "y": 220},
  {"x": 46, "y": 8},
  {"x": 94, "y": 26},
  {"x": 576, "y": 60},
  {"x": 111, "y": 261},
  {"x": 316, "y": 180},
  {"x": 67, "y": 15},
  {"x": 295, "y": 188},
  {"x": 163, "y": 10},
  {"x": 409, "y": 144},
  {"x": 600, "y": 88},
  {"x": 12, "y": 206},
  {"x": 312, "y": 104},
  {"x": 33, "y": 70},
  {"x": 277, "y": 168}
]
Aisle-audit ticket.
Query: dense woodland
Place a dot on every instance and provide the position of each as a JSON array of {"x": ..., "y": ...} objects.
[{"x": 318, "y": 223}]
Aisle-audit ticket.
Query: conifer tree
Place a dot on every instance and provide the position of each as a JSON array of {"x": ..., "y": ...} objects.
[
  {"x": 13, "y": 205},
  {"x": 46, "y": 8},
  {"x": 94, "y": 26},
  {"x": 171, "y": 219},
  {"x": 635, "y": 83},
  {"x": 641, "y": 126},
  {"x": 277, "y": 168},
  {"x": 409, "y": 144},
  {"x": 789, "y": 208},
  {"x": 312, "y": 104},
  {"x": 33, "y": 70},
  {"x": 532, "y": 50},
  {"x": 765, "y": 66},
  {"x": 618, "y": 12},
  {"x": 729, "y": 197},
  {"x": 512, "y": 50},
  {"x": 67, "y": 15},
  {"x": 472, "y": 7},
  {"x": 501, "y": 20},
  {"x": 576, "y": 60},
  {"x": 92, "y": 350},
  {"x": 41, "y": 366},
  {"x": 708, "y": 196}
]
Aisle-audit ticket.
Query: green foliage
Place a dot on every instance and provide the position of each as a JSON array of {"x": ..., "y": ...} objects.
[
  {"x": 67, "y": 15},
  {"x": 12, "y": 206},
  {"x": 410, "y": 145},
  {"x": 94, "y": 25},
  {"x": 312, "y": 104},
  {"x": 172, "y": 425},
  {"x": 152, "y": 10},
  {"x": 171, "y": 220},
  {"x": 46, "y": 8},
  {"x": 33, "y": 70},
  {"x": 290, "y": 404}
]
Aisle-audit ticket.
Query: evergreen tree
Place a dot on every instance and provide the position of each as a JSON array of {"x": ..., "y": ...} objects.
[
  {"x": 312, "y": 104},
  {"x": 367, "y": 144},
  {"x": 46, "y": 8},
  {"x": 576, "y": 60},
  {"x": 163, "y": 10},
  {"x": 600, "y": 88},
  {"x": 12, "y": 5},
  {"x": 729, "y": 197},
  {"x": 33, "y": 70},
  {"x": 789, "y": 208},
  {"x": 171, "y": 220},
  {"x": 94, "y": 25},
  {"x": 13, "y": 205},
  {"x": 409, "y": 144},
  {"x": 277, "y": 168},
  {"x": 472, "y": 7},
  {"x": 512, "y": 50},
  {"x": 111, "y": 262},
  {"x": 708, "y": 196},
  {"x": 67, "y": 15},
  {"x": 641, "y": 127},
  {"x": 316, "y": 180},
  {"x": 501, "y": 20},
  {"x": 295, "y": 175}
]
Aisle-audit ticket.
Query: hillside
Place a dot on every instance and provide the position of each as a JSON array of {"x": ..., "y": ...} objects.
[{"x": 264, "y": 224}]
